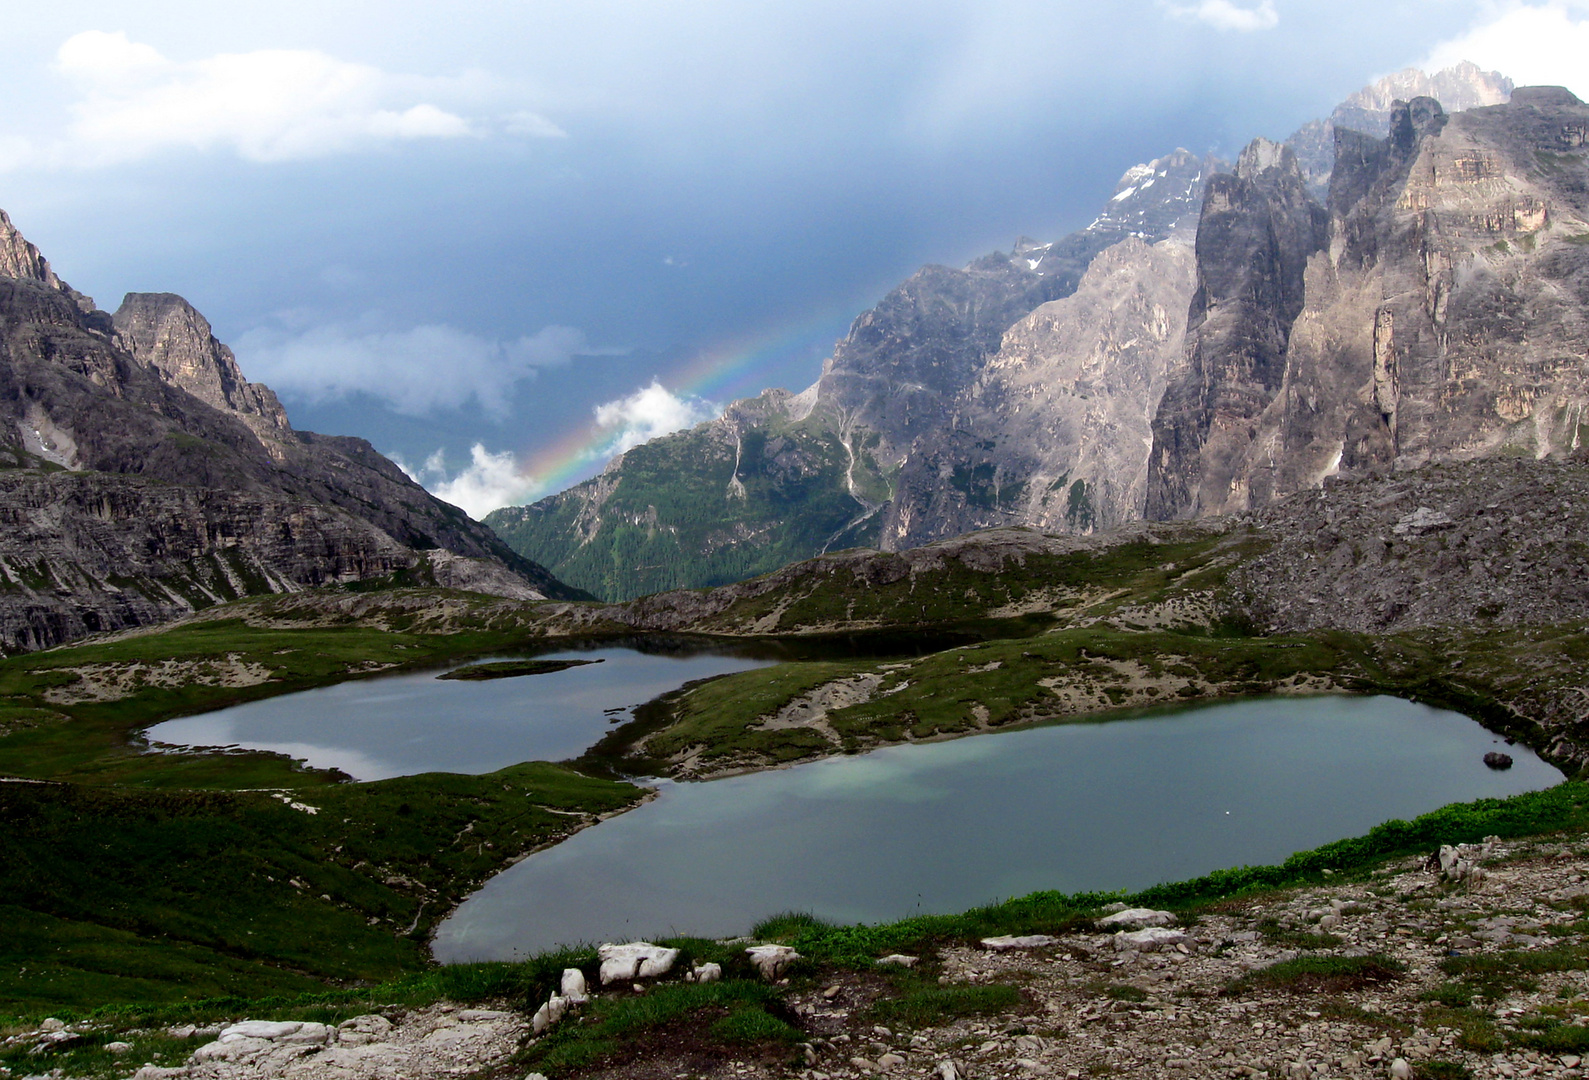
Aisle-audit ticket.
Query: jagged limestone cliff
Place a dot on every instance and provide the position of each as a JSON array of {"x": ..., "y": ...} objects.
[
  {"x": 1442, "y": 317},
  {"x": 853, "y": 459},
  {"x": 141, "y": 476},
  {"x": 1153, "y": 380}
]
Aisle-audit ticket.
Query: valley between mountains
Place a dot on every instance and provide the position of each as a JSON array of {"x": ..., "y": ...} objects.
[{"x": 1309, "y": 423}]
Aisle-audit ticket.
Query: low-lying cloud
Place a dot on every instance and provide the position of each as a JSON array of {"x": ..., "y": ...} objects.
[
  {"x": 488, "y": 482},
  {"x": 1225, "y": 15},
  {"x": 648, "y": 413},
  {"x": 131, "y": 102},
  {"x": 493, "y": 480},
  {"x": 414, "y": 372}
]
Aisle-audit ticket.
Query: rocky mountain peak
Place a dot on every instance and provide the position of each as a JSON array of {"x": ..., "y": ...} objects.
[
  {"x": 1462, "y": 86},
  {"x": 20, "y": 259},
  {"x": 1155, "y": 198},
  {"x": 1411, "y": 120},
  {"x": 1369, "y": 111},
  {"x": 1263, "y": 155},
  {"x": 164, "y": 332}
]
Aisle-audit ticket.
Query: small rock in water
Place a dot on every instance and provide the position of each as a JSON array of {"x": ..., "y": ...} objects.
[{"x": 1498, "y": 760}]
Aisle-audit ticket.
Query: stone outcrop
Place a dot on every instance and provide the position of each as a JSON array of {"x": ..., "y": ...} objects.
[
  {"x": 887, "y": 447},
  {"x": 1461, "y": 86},
  {"x": 165, "y": 332},
  {"x": 1444, "y": 320},
  {"x": 1257, "y": 231},
  {"x": 143, "y": 476},
  {"x": 1055, "y": 431}
]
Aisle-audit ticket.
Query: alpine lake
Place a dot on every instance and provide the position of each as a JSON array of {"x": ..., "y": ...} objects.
[{"x": 938, "y": 827}]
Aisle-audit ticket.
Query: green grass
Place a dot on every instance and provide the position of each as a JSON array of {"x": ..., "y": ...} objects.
[
  {"x": 1476, "y": 1030},
  {"x": 610, "y": 1030},
  {"x": 114, "y": 894},
  {"x": 1492, "y": 975},
  {"x": 1311, "y": 974},
  {"x": 1442, "y": 1070},
  {"x": 931, "y": 1006}
]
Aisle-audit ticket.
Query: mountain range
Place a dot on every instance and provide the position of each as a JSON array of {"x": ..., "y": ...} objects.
[
  {"x": 1398, "y": 284},
  {"x": 143, "y": 477}
]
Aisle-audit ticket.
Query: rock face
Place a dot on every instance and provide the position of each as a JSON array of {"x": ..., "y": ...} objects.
[
  {"x": 142, "y": 476},
  {"x": 1055, "y": 430},
  {"x": 1462, "y": 86},
  {"x": 886, "y": 449},
  {"x": 1430, "y": 307},
  {"x": 164, "y": 332},
  {"x": 1258, "y": 229},
  {"x": 1444, "y": 319}
]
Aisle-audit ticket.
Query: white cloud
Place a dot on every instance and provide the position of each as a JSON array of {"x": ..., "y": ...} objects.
[
  {"x": 131, "y": 102},
  {"x": 414, "y": 371},
  {"x": 1225, "y": 15},
  {"x": 648, "y": 413},
  {"x": 489, "y": 482},
  {"x": 1533, "y": 44}
]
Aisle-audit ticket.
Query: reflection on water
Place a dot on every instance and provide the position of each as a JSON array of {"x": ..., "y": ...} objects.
[
  {"x": 947, "y": 826},
  {"x": 405, "y": 724}
]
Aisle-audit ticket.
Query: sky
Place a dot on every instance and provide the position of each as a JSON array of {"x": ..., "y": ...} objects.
[{"x": 505, "y": 239}]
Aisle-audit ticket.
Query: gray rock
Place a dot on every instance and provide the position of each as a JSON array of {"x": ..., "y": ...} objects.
[
  {"x": 1151, "y": 939},
  {"x": 1138, "y": 917},
  {"x": 771, "y": 960},
  {"x": 1007, "y": 942},
  {"x": 636, "y": 960},
  {"x": 573, "y": 985}
]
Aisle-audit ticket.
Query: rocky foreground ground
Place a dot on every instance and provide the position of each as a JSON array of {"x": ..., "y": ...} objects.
[{"x": 1220, "y": 994}]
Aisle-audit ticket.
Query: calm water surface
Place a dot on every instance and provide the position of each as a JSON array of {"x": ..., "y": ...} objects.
[
  {"x": 376, "y": 728},
  {"x": 947, "y": 826}
]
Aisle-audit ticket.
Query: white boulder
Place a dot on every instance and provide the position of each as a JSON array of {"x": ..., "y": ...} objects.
[
  {"x": 261, "y": 1029},
  {"x": 1138, "y": 917},
  {"x": 555, "y": 1009},
  {"x": 637, "y": 960},
  {"x": 573, "y": 985},
  {"x": 238, "y": 1047},
  {"x": 363, "y": 1030},
  {"x": 1006, "y": 942},
  {"x": 1151, "y": 939},
  {"x": 771, "y": 960},
  {"x": 705, "y": 973},
  {"x": 898, "y": 960}
]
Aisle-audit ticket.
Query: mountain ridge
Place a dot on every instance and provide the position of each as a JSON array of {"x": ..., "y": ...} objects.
[
  {"x": 1051, "y": 421},
  {"x": 143, "y": 419}
]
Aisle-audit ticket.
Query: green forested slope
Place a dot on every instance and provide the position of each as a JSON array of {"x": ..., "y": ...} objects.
[{"x": 703, "y": 507}]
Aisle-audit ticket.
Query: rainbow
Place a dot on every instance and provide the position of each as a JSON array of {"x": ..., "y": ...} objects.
[{"x": 718, "y": 374}]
